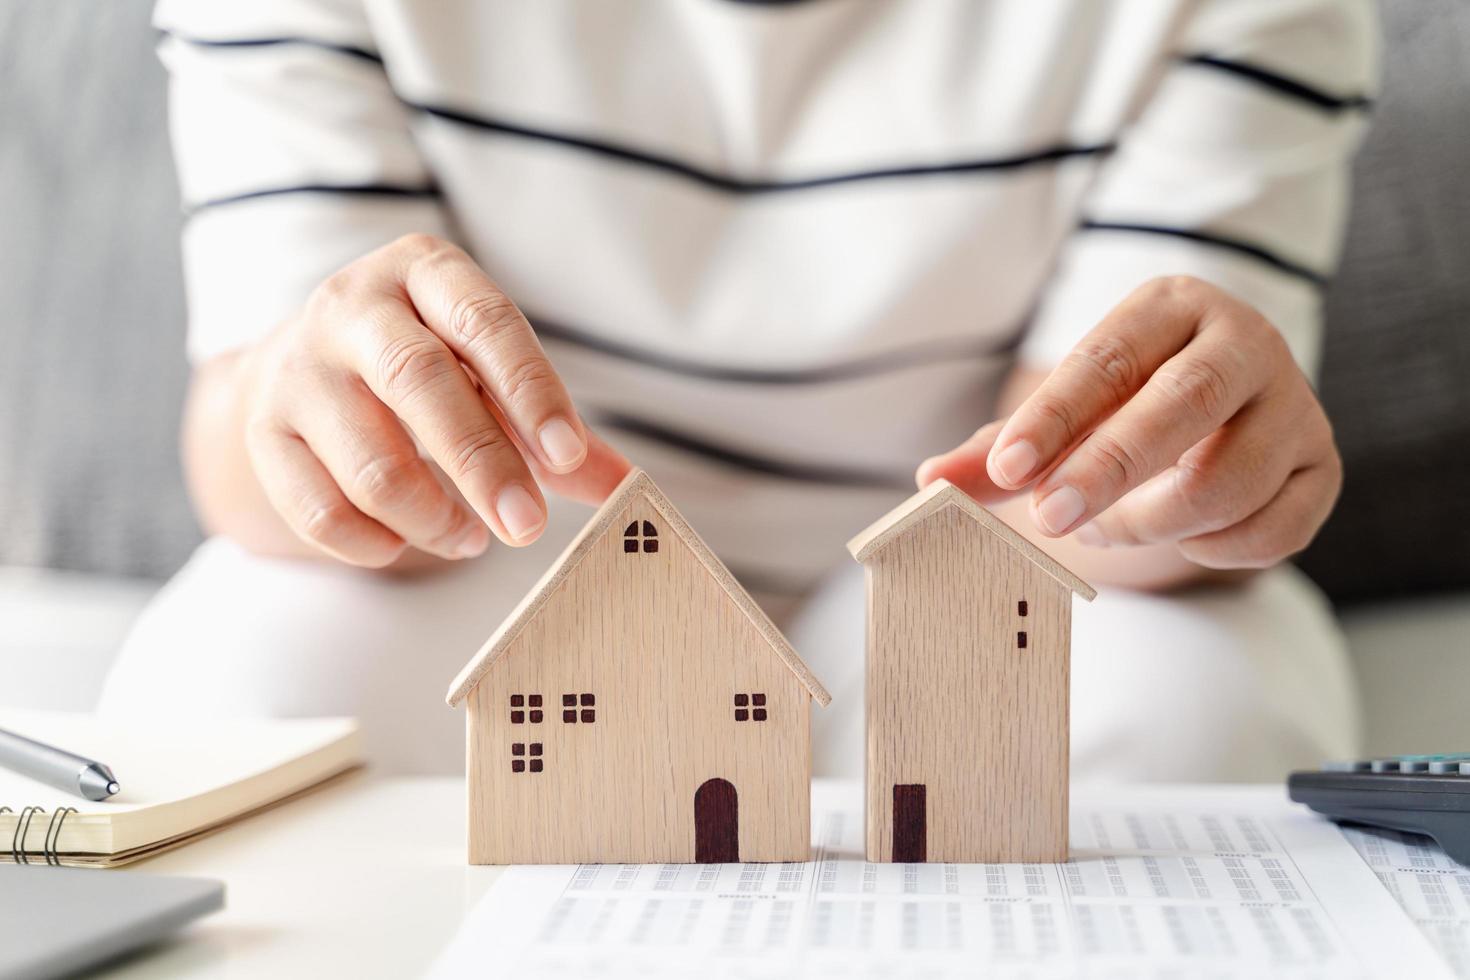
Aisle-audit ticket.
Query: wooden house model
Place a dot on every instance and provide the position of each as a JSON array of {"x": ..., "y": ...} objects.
[
  {"x": 638, "y": 706},
  {"x": 968, "y": 660}
]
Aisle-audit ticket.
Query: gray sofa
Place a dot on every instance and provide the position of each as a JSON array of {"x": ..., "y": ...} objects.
[{"x": 92, "y": 508}]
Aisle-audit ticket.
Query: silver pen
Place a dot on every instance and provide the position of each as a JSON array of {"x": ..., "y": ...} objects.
[{"x": 56, "y": 767}]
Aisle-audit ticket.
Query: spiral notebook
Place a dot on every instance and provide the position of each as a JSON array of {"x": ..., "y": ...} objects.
[{"x": 180, "y": 779}]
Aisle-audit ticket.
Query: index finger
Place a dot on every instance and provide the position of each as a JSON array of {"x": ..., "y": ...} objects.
[
  {"x": 469, "y": 313},
  {"x": 1102, "y": 372}
]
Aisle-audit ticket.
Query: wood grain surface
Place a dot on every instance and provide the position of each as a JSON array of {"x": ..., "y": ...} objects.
[
  {"x": 956, "y": 704},
  {"x": 687, "y": 686}
]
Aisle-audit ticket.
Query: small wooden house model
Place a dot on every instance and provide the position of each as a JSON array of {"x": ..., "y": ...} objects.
[
  {"x": 969, "y": 639},
  {"x": 638, "y": 706}
]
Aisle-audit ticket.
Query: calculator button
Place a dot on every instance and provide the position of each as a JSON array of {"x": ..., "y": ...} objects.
[
  {"x": 1385, "y": 765},
  {"x": 1413, "y": 765},
  {"x": 1444, "y": 767},
  {"x": 1346, "y": 765}
]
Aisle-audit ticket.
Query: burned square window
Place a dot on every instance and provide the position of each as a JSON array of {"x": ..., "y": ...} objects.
[
  {"x": 569, "y": 715},
  {"x": 743, "y": 711},
  {"x": 518, "y": 702},
  {"x": 519, "y": 763}
]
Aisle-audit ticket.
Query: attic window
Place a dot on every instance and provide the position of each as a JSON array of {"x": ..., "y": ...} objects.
[
  {"x": 750, "y": 707},
  {"x": 648, "y": 537},
  {"x": 1021, "y": 608}
]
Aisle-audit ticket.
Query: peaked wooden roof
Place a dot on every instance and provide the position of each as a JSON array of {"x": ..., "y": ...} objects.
[
  {"x": 635, "y": 483},
  {"x": 934, "y": 498}
]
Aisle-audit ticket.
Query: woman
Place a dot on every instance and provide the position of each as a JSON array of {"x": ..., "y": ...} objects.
[{"x": 790, "y": 257}]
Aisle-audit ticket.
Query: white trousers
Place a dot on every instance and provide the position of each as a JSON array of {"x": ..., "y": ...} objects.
[{"x": 1238, "y": 684}]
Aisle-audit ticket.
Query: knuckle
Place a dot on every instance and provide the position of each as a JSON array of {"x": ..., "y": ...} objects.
[
  {"x": 302, "y": 365},
  {"x": 259, "y": 429},
  {"x": 1112, "y": 363},
  {"x": 390, "y": 481},
  {"x": 1195, "y": 497},
  {"x": 335, "y": 288},
  {"x": 1252, "y": 324},
  {"x": 1200, "y": 389},
  {"x": 1257, "y": 549},
  {"x": 1173, "y": 288},
  {"x": 448, "y": 529},
  {"x": 1212, "y": 553},
  {"x": 478, "y": 449},
  {"x": 1060, "y": 413},
  {"x": 418, "y": 244},
  {"x": 524, "y": 379},
  {"x": 1123, "y": 466},
  {"x": 477, "y": 319},
  {"x": 409, "y": 365},
  {"x": 326, "y": 521}
]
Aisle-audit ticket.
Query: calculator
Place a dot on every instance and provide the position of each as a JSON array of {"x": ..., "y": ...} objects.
[{"x": 1422, "y": 794}]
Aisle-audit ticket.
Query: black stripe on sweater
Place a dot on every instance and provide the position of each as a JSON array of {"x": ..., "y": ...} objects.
[
  {"x": 751, "y": 185},
  {"x": 1280, "y": 84},
  {"x": 350, "y": 50},
  {"x": 417, "y": 192},
  {"x": 748, "y": 462},
  {"x": 917, "y": 356},
  {"x": 1250, "y": 249}
]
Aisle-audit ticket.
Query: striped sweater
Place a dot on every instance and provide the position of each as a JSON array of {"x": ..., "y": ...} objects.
[{"x": 780, "y": 250}]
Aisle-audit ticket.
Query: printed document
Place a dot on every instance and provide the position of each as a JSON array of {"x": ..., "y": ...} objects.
[
  {"x": 1176, "y": 881},
  {"x": 1431, "y": 888}
]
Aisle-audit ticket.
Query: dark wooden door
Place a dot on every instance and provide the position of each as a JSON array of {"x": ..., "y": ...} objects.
[
  {"x": 716, "y": 823},
  {"x": 910, "y": 822}
]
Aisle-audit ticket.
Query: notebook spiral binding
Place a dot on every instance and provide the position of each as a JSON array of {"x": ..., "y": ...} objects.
[{"x": 49, "y": 841}]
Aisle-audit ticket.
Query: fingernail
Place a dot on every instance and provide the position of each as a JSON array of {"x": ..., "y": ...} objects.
[
  {"x": 563, "y": 447},
  {"x": 519, "y": 512},
  {"x": 1015, "y": 463},
  {"x": 474, "y": 542},
  {"x": 1091, "y": 535},
  {"x": 1060, "y": 509}
]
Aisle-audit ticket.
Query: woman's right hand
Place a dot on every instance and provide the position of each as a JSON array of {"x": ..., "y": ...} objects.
[{"x": 413, "y": 338}]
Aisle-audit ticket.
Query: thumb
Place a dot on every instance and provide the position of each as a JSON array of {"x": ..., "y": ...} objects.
[{"x": 964, "y": 466}]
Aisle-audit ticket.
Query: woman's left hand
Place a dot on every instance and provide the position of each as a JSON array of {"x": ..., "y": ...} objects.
[{"x": 1180, "y": 418}]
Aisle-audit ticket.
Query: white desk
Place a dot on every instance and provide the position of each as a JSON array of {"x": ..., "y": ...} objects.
[{"x": 365, "y": 878}]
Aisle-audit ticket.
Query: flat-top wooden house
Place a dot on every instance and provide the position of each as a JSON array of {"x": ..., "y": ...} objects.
[
  {"x": 968, "y": 647},
  {"x": 638, "y": 706}
]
